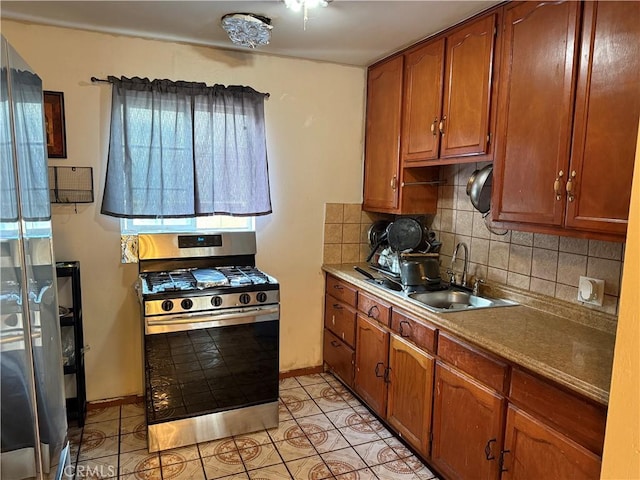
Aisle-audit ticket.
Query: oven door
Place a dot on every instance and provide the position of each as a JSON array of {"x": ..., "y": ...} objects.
[{"x": 200, "y": 364}]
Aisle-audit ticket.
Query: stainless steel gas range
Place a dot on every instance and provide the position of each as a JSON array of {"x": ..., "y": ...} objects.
[{"x": 211, "y": 337}]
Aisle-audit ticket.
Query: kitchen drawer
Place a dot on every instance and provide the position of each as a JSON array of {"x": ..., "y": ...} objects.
[
  {"x": 339, "y": 356},
  {"x": 423, "y": 335},
  {"x": 340, "y": 319},
  {"x": 580, "y": 420},
  {"x": 342, "y": 291},
  {"x": 374, "y": 308},
  {"x": 482, "y": 367}
]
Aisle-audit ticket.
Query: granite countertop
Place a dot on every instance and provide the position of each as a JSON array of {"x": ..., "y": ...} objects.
[{"x": 572, "y": 346}]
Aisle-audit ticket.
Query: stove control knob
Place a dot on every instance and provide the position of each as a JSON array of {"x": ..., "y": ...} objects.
[
  {"x": 167, "y": 305},
  {"x": 216, "y": 301},
  {"x": 262, "y": 297},
  {"x": 187, "y": 303},
  {"x": 245, "y": 298}
]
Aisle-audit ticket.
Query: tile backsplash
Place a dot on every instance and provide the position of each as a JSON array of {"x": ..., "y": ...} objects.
[
  {"x": 547, "y": 264},
  {"x": 346, "y": 228}
]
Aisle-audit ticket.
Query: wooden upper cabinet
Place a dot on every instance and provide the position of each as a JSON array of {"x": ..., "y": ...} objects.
[
  {"x": 534, "y": 111},
  {"x": 382, "y": 142},
  {"x": 606, "y": 117},
  {"x": 423, "y": 83},
  {"x": 534, "y": 450},
  {"x": 467, "y": 95},
  {"x": 447, "y": 94}
]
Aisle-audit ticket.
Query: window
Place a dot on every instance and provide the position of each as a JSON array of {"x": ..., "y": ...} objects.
[
  {"x": 132, "y": 226},
  {"x": 185, "y": 150}
]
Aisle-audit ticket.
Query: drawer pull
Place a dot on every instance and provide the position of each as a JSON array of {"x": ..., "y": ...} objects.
[
  {"x": 337, "y": 306},
  {"x": 433, "y": 127},
  {"x": 374, "y": 312},
  {"x": 335, "y": 344},
  {"x": 557, "y": 185},
  {"x": 378, "y": 374},
  {"x": 501, "y": 460},
  {"x": 569, "y": 186},
  {"x": 338, "y": 287},
  {"x": 487, "y": 450},
  {"x": 400, "y": 329}
]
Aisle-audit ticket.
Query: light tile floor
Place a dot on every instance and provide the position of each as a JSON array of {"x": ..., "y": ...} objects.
[{"x": 324, "y": 433}]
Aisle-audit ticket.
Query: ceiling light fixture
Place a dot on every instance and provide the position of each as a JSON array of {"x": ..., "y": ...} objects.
[
  {"x": 305, "y": 5},
  {"x": 247, "y": 29}
]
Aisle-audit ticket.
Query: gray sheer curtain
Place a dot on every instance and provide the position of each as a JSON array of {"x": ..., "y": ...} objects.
[
  {"x": 182, "y": 149},
  {"x": 28, "y": 127}
]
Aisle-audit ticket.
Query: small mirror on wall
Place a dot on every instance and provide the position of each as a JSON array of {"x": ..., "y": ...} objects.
[{"x": 54, "y": 124}]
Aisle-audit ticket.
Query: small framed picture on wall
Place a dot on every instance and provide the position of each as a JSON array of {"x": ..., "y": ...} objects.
[{"x": 54, "y": 124}]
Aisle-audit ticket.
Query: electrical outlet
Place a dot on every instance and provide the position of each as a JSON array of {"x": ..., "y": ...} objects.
[{"x": 591, "y": 291}]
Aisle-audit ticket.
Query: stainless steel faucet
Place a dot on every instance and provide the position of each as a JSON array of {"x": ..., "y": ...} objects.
[{"x": 466, "y": 264}]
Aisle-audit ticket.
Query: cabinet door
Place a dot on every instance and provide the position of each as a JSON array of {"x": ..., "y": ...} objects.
[
  {"x": 423, "y": 73},
  {"x": 467, "y": 426},
  {"x": 382, "y": 142},
  {"x": 533, "y": 450},
  {"x": 467, "y": 95},
  {"x": 606, "y": 118},
  {"x": 534, "y": 111},
  {"x": 372, "y": 357},
  {"x": 410, "y": 393},
  {"x": 339, "y": 357}
]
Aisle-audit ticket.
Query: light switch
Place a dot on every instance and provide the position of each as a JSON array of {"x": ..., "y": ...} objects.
[{"x": 591, "y": 291}]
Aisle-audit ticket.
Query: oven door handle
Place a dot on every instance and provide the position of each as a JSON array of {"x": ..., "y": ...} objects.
[{"x": 211, "y": 319}]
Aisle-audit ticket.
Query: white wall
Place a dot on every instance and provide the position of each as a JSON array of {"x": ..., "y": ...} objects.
[{"x": 314, "y": 124}]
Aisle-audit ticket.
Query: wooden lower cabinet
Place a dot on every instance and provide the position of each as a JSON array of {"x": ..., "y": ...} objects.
[
  {"x": 339, "y": 357},
  {"x": 533, "y": 451},
  {"x": 372, "y": 359},
  {"x": 410, "y": 393},
  {"x": 467, "y": 426}
]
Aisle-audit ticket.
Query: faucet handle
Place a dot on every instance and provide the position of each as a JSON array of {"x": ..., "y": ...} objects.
[
  {"x": 476, "y": 285},
  {"x": 452, "y": 276}
]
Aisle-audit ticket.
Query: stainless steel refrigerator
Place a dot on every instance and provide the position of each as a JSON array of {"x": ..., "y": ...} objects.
[{"x": 33, "y": 423}]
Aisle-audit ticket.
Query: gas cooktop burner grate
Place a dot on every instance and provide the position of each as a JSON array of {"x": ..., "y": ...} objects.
[
  {"x": 192, "y": 280},
  {"x": 170, "y": 281},
  {"x": 244, "y": 275}
]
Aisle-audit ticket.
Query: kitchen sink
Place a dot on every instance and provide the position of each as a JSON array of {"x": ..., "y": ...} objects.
[{"x": 456, "y": 300}]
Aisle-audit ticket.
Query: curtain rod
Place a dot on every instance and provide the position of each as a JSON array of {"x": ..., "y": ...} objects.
[{"x": 102, "y": 80}]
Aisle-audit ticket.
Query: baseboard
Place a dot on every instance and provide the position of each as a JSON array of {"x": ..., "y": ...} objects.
[
  {"x": 113, "y": 402},
  {"x": 302, "y": 371}
]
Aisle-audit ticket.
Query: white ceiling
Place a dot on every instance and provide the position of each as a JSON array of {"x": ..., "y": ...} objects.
[{"x": 347, "y": 32}]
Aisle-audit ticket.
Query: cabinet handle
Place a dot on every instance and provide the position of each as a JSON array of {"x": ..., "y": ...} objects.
[
  {"x": 394, "y": 182},
  {"x": 570, "y": 195},
  {"x": 434, "y": 132},
  {"x": 370, "y": 313},
  {"x": 400, "y": 329},
  {"x": 557, "y": 188},
  {"x": 387, "y": 375},
  {"x": 338, "y": 287},
  {"x": 501, "y": 460},
  {"x": 487, "y": 450},
  {"x": 333, "y": 320},
  {"x": 441, "y": 126},
  {"x": 337, "y": 306},
  {"x": 334, "y": 344},
  {"x": 378, "y": 365}
]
